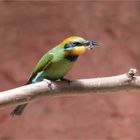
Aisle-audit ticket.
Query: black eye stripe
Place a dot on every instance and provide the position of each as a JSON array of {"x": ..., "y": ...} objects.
[
  {"x": 72, "y": 44},
  {"x": 69, "y": 45},
  {"x": 77, "y": 43}
]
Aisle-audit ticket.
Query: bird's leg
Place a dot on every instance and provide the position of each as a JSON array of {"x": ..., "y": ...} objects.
[
  {"x": 49, "y": 82},
  {"x": 66, "y": 80}
]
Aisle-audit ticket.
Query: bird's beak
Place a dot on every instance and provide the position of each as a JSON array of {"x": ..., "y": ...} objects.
[{"x": 92, "y": 44}]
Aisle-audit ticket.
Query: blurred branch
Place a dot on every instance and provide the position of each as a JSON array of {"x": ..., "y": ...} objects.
[{"x": 38, "y": 90}]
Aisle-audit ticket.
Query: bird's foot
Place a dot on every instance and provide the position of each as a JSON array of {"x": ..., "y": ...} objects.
[
  {"x": 66, "y": 80},
  {"x": 49, "y": 82}
]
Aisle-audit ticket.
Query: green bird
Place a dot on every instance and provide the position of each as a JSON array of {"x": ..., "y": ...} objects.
[{"x": 56, "y": 63}]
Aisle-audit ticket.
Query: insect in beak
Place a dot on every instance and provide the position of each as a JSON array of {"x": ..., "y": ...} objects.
[{"x": 92, "y": 44}]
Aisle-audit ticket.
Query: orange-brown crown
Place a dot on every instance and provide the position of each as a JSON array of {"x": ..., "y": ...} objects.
[{"x": 73, "y": 39}]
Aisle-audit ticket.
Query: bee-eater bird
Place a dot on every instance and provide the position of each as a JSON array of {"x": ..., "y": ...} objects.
[{"x": 57, "y": 62}]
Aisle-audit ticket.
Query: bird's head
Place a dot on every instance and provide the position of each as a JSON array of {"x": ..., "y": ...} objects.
[{"x": 76, "y": 45}]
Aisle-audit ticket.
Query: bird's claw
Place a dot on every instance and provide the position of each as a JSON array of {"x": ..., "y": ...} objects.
[
  {"x": 49, "y": 83},
  {"x": 66, "y": 80}
]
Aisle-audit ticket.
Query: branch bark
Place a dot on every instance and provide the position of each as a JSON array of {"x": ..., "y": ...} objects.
[{"x": 127, "y": 81}]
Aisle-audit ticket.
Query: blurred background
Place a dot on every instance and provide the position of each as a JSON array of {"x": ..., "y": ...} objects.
[{"x": 29, "y": 29}]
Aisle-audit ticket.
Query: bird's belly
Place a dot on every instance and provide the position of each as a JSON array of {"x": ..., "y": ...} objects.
[{"x": 57, "y": 70}]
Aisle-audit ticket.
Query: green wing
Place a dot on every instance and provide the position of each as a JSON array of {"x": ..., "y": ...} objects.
[
  {"x": 43, "y": 62},
  {"x": 41, "y": 65}
]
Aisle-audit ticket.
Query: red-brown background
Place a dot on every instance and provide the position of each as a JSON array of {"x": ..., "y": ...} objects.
[{"x": 29, "y": 29}]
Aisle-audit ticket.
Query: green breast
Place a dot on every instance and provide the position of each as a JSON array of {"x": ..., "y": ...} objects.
[{"x": 58, "y": 69}]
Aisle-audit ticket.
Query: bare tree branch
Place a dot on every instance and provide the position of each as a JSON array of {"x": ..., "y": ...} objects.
[{"x": 38, "y": 90}]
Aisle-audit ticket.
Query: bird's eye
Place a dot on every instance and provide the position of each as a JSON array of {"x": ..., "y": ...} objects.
[
  {"x": 68, "y": 45},
  {"x": 77, "y": 43}
]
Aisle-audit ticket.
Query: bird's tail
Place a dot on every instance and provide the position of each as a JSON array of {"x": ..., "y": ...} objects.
[{"x": 20, "y": 108}]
